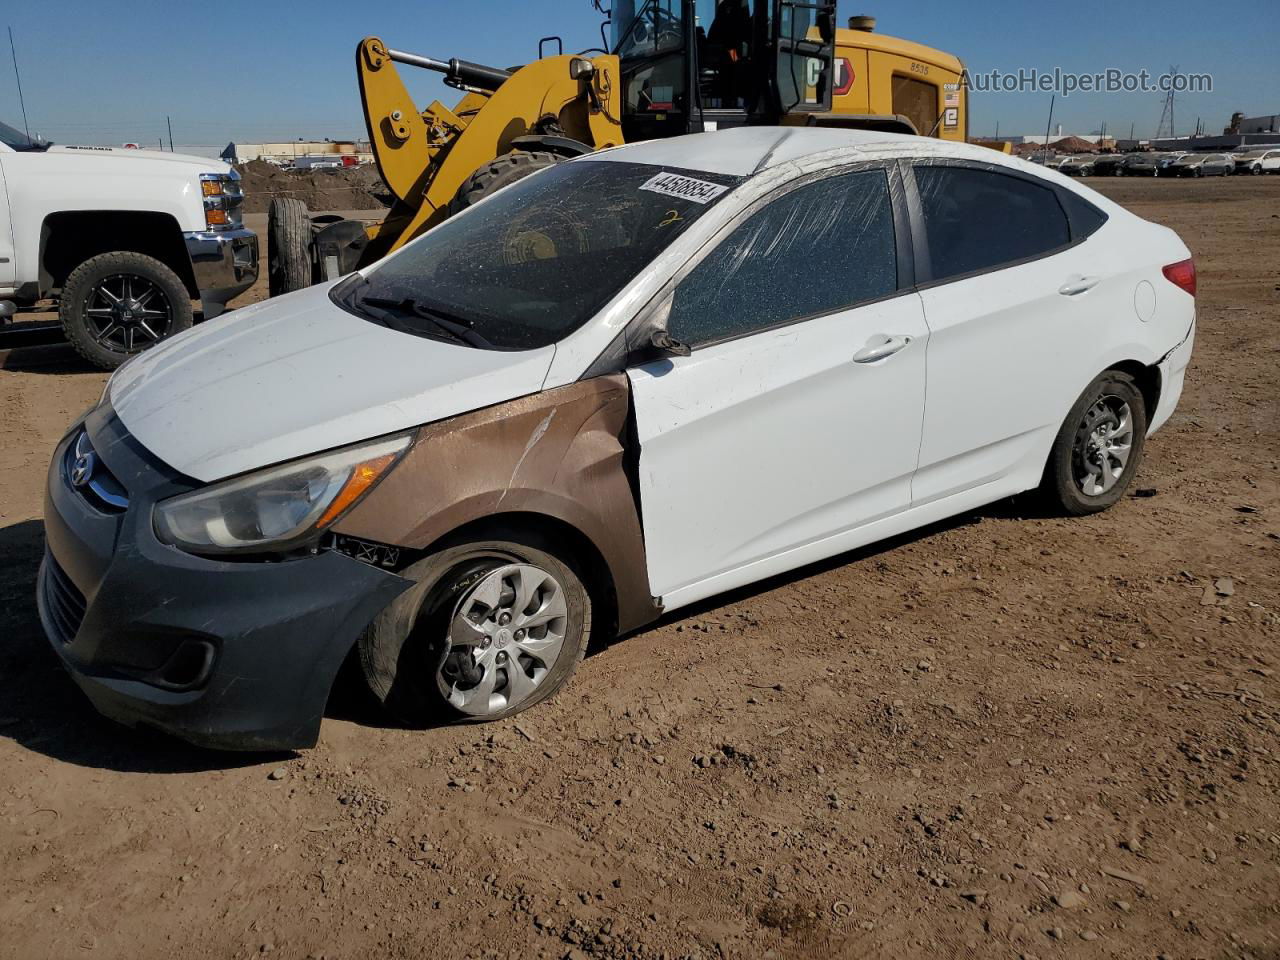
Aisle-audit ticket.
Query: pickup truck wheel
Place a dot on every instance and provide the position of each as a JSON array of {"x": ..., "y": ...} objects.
[
  {"x": 115, "y": 305},
  {"x": 490, "y": 628},
  {"x": 288, "y": 246}
]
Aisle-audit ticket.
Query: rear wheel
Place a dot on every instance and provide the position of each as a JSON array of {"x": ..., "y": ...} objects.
[
  {"x": 1098, "y": 447},
  {"x": 117, "y": 304},
  {"x": 288, "y": 246},
  {"x": 490, "y": 628},
  {"x": 502, "y": 172}
]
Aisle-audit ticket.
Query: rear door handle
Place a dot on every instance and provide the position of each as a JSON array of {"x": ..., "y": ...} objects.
[
  {"x": 1076, "y": 285},
  {"x": 879, "y": 347}
]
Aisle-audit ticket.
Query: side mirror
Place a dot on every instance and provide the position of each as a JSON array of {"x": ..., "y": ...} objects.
[{"x": 662, "y": 341}]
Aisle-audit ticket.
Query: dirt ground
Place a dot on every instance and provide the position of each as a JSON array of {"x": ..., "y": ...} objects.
[{"x": 1009, "y": 735}]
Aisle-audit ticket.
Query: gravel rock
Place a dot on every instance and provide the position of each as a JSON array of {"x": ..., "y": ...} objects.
[{"x": 1069, "y": 900}]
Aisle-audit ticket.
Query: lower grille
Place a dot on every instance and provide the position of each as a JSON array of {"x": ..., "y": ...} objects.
[{"x": 63, "y": 602}]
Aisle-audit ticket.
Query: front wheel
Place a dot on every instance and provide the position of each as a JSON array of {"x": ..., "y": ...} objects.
[
  {"x": 489, "y": 629},
  {"x": 117, "y": 304},
  {"x": 502, "y": 172},
  {"x": 1098, "y": 447}
]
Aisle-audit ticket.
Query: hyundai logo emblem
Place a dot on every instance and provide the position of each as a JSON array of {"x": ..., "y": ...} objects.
[{"x": 82, "y": 469}]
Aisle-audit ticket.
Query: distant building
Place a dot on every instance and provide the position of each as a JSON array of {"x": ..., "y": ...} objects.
[
  {"x": 290, "y": 151},
  {"x": 1269, "y": 124}
]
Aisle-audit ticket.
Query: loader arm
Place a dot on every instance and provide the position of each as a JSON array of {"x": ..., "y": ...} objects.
[{"x": 425, "y": 156}]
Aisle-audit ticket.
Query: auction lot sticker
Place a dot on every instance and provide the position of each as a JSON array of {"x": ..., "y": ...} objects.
[{"x": 686, "y": 188}]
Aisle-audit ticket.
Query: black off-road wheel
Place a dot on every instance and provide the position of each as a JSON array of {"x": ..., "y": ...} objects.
[
  {"x": 489, "y": 629},
  {"x": 288, "y": 246},
  {"x": 506, "y": 170},
  {"x": 116, "y": 305},
  {"x": 1098, "y": 448}
]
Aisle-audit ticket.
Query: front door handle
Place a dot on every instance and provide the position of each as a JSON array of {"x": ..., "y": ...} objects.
[
  {"x": 1078, "y": 284},
  {"x": 879, "y": 347}
]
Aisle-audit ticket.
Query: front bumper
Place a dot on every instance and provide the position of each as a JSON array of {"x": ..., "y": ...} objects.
[
  {"x": 225, "y": 265},
  {"x": 232, "y": 655}
]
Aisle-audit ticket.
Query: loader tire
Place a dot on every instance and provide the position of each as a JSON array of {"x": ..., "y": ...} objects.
[
  {"x": 503, "y": 172},
  {"x": 288, "y": 246}
]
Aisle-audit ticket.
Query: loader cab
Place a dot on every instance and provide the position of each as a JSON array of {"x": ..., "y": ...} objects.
[{"x": 694, "y": 65}]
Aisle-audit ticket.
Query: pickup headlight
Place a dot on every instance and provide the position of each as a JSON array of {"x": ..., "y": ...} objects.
[
  {"x": 223, "y": 198},
  {"x": 279, "y": 508}
]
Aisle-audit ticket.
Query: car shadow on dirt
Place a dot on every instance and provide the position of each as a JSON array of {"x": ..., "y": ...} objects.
[{"x": 41, "y": 708}]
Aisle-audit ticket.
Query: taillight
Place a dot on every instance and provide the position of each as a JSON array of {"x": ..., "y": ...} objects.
[{"x": 1182, "y": 274}]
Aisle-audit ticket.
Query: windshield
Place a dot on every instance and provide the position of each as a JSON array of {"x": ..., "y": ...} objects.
[
  {"x": 19, "y": 140},
  {"x": 532, "y": 264}
]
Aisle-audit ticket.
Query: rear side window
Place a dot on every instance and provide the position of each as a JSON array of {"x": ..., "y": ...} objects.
[
  {"x": 822, "y": 247},
  {"x": 977, "y": 220},
  {"x": 1084, "y": 216}
]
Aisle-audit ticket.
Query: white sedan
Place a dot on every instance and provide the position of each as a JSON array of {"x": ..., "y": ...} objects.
[{"x": 627, "y": 383}]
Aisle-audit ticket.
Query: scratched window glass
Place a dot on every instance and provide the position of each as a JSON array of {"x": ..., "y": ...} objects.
[
  {"x": 821, "y": 248},
  {"x": 535, "y": 261},
  {"x": 977, "y": 220}
]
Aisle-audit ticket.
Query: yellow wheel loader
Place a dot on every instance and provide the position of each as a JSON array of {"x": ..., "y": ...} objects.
[{"x": 671, "y": 67}]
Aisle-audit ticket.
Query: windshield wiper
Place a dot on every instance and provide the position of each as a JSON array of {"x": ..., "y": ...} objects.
[{"x": 455, "y": 327}]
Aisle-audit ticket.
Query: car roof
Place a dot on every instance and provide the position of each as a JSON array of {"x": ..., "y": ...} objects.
[{"x": 743, "y": 151}]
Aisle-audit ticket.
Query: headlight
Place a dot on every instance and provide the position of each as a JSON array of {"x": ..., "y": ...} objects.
[
  {"x": 223, "y": 197},
  {"x": 282, "y": 507}
]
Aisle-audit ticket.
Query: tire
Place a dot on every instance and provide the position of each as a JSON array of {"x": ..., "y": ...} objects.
[
  {"x": 156, "y": 305},
  {"x": 1062, "y": 487},
  {"x": 1198, "y": 172},
  {"x": 506, "y": 170},
  {"x": 1255, "y": 170},
  {"x": 405, "y": 654},
  {"x": 288, "y": 246}
]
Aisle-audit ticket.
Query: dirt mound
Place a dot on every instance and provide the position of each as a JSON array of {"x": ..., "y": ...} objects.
[
  {"x": 347, "y": 188},
  {"x": 1073, "y": 145}
]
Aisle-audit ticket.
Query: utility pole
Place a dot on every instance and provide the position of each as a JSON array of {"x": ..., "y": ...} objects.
[
  {"x": 997, "y": 136},
  {"x": 17, "y": 76},
  {"x": 170, "y": 123},
  {"x": 1048, "y": 126}
]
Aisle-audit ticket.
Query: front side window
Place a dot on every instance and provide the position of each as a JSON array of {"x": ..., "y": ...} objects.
[
  {"x": 534, "y": 262},
  {"x": 823, "y": 247},
  {"x": 979, "y": 220}
]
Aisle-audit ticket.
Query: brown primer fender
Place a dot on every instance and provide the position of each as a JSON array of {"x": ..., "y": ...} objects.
[{"x": 560, "y": 453}]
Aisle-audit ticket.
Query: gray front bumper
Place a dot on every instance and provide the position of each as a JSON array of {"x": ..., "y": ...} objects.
[{"x": 225, "y": 265}]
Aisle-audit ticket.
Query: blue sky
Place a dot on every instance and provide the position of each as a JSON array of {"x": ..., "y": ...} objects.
[{"x": 107, "y": 71}]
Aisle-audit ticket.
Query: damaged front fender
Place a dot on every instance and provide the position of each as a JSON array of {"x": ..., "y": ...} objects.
[{"x": 562, "y": 453}]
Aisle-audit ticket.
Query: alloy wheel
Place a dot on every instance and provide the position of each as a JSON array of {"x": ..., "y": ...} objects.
[
  {"x": 127, "y": 313},
  {"x": 505, "y": 636},
  {"x": 1103, "y": 443}
]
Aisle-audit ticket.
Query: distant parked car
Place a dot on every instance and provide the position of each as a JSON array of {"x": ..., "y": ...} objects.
[
  {"x": 1109, "y": 165},
  {"x": 1257, "y": 161},
  {"x": 1202, "y": 165},
  {"x": 1142, "y": 165},
  {"x": 1077, "y": 166},
  {"x": 1166, "y": 161}
]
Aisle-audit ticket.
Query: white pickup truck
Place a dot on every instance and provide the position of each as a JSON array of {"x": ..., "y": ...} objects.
[{"x": 124, "y": 238}]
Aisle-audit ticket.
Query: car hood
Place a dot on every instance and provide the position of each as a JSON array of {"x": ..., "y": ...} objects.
[{"x": 296, "y": 375}]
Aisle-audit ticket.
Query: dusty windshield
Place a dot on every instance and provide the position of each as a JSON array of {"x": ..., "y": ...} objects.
[{"x": 532, "y": 264}]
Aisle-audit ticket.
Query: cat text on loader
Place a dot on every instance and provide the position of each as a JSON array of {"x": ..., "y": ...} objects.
[{"x": 673, "y": 67}]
